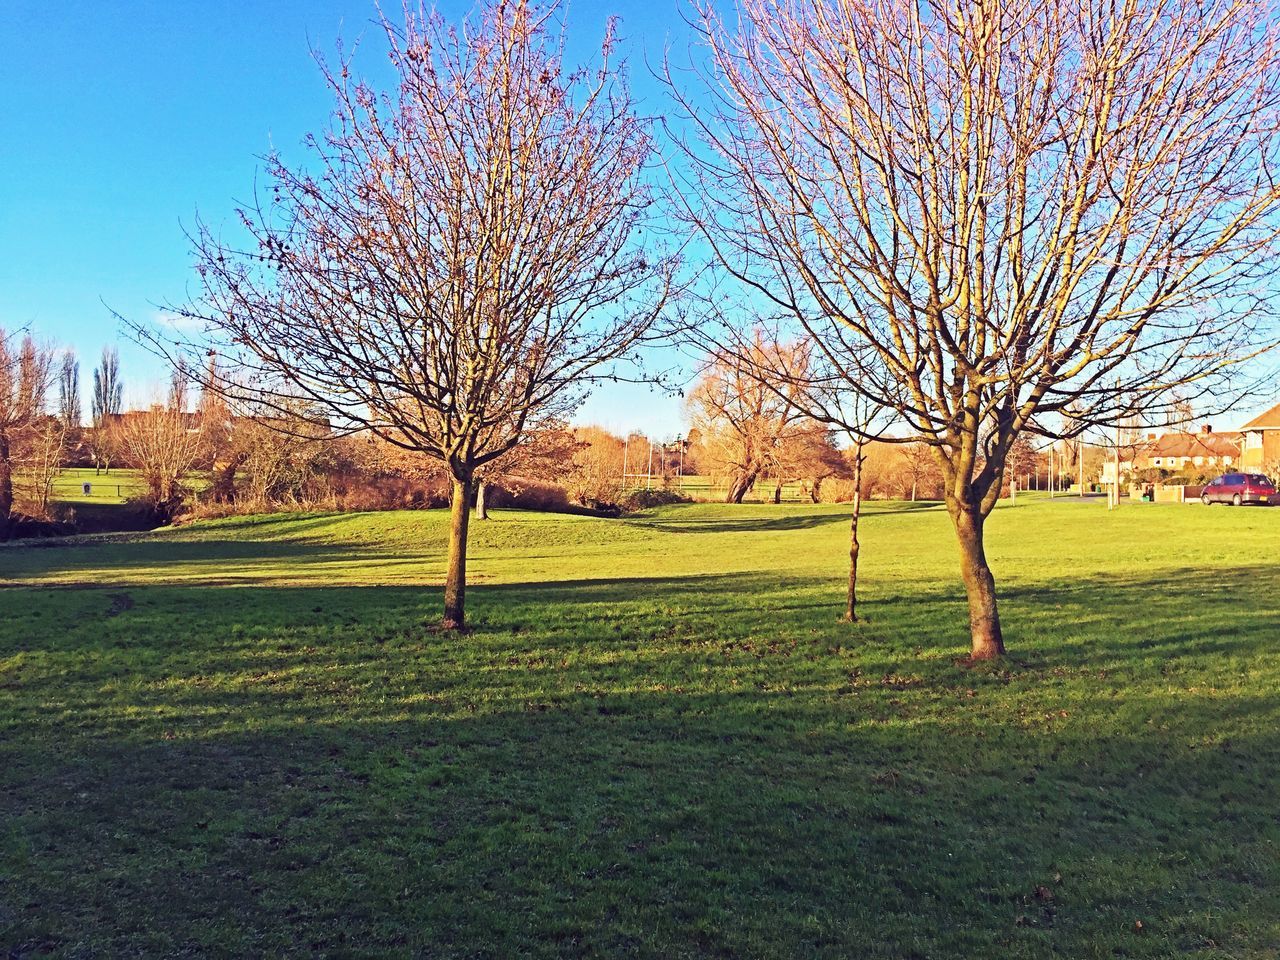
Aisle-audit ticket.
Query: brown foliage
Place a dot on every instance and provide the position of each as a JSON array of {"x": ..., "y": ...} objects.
[
  {"x": 808, "y": 454},
  {"x": 745, "y": 421},
  {"x": 593, "y": 476},
  {"x": 44, "y": 449},
  {"x": 163, "y": 444}
]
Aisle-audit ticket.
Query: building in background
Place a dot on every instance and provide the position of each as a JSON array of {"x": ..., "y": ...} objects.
[
  {"x": 1262, "y": 441},
  {"x": 1177, "y": 452},
  {"x": 1198, "y": 452}
]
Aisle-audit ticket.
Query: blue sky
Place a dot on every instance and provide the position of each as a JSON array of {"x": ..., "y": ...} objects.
[{"x": 122, "y": 119}]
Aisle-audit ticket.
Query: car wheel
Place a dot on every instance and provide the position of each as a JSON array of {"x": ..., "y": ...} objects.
[
  {"x": 1235, "y": 501},
  {"x": 1204, "y": 498}
]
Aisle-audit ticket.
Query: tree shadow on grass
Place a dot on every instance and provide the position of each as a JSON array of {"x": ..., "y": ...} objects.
[
  {"x": 135, "y": 563},
  {"x": 678, "y": 521},
  {"x": 1174, "y": 612},
  {"x": 723, "y": 590},
  {"x": 628, "y": 822},
  {"x": 644, "y": 766}
]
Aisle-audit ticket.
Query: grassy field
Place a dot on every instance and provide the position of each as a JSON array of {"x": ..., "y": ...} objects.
[
  {"x": 113, "y": 487},
  {"x": 239, "y": 739},
  {"x": 703, "y": 487}
]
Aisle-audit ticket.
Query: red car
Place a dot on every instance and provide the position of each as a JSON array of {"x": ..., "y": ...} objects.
[{"x": 1238, "y": 488}]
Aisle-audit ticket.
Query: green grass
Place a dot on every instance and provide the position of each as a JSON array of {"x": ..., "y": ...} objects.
[
  {"x": 113, "y": 487},
  {"x": 239, "y": 739},
  {"x": 704, "y": 487}
]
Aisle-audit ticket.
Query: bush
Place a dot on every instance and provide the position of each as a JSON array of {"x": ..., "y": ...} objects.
[
  {"x": 646, "y": 499},
  {"x": 1190, "y": 479},
  {"x": 529, "y": 495},
  {"x": 22, "y": 527},
  {"x": 389, "y": 492},
  {"x": 160, "y": 511}
]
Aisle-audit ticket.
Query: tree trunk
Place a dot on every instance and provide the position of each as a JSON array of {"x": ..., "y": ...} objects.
[
  {"x": 984, "y": 619},
  {"x": 741, "y": 484},
  {"x": 777, "y": 492},
  {"x": 455, "y": 585},
  {"x": 482, "y": 508},
  {"x": 851, "y": 603},
  {"x": 6, "y": 486},
  {"x": 815, "y": 491},
  {"x": 913, "y": 491},
  {"x": 224, "y": 483}
]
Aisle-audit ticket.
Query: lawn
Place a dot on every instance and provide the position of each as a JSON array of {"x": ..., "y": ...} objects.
[
  {"x": 113, "y": 487},
  {"x": 704, "y": 487},
  {"x": 241, "y": 738}
]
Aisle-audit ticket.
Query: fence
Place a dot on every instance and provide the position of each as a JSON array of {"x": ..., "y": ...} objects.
[{"x": 1166, "y": 492}]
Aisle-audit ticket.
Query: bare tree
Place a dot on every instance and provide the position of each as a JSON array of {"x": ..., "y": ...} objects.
[
  {"x": 920, "y": 464},
  {"x": 594, "y": 474},
  {"x": 1022, "y": 463},
  {"x": 808, "y": 455},
  {"x": 69, "y": 409},
  {"x": 858, "y": 457},
  {"x": 785, "y": 389},
  {"x": 216, "y": 428},
  {"x": 541, "y": 456},
  {"x": 984, "y": 214},
  {"x": 466, "y": 255},
  {"x": 163, "y": 444},
  {"x": 106, "y": 404},
  {"x": 283, "y": 459},
  {"x": 863, "y": 421},
  {"x": 180, "y": 384},
  {"x": 45, "y": 448},
  {"x": 743, "y": 417},
  {"x": 25, "y": 370}
]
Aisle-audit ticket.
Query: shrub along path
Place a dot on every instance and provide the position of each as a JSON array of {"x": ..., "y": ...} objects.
[{"x": 238, "y": 739}]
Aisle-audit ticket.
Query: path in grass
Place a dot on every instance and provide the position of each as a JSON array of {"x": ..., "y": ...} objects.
[{"x": 239, "y": 739}]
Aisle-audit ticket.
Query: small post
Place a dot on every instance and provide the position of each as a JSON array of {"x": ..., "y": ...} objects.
[{"x": 1115, "y": 500}]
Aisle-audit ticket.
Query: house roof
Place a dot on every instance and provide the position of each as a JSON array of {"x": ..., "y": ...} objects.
[
  {"x": 1193, "y": 445},
  {"x": 1265, "y": 421}
]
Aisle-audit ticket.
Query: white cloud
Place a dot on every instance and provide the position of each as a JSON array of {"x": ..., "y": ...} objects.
[{"x": 176, "y": 322}]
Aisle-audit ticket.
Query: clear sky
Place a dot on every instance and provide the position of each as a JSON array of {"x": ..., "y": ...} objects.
[{"x": 122, "y": 119}]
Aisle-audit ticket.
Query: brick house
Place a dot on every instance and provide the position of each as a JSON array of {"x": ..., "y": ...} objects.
[
  {"x": 1262, "y": 441},
  {"x": 1178, "y": 452},
  {"x": 1199, "y": 452}
]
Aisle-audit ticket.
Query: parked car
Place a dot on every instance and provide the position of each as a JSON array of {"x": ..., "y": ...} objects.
[{"x": 1238, "y": 488}]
